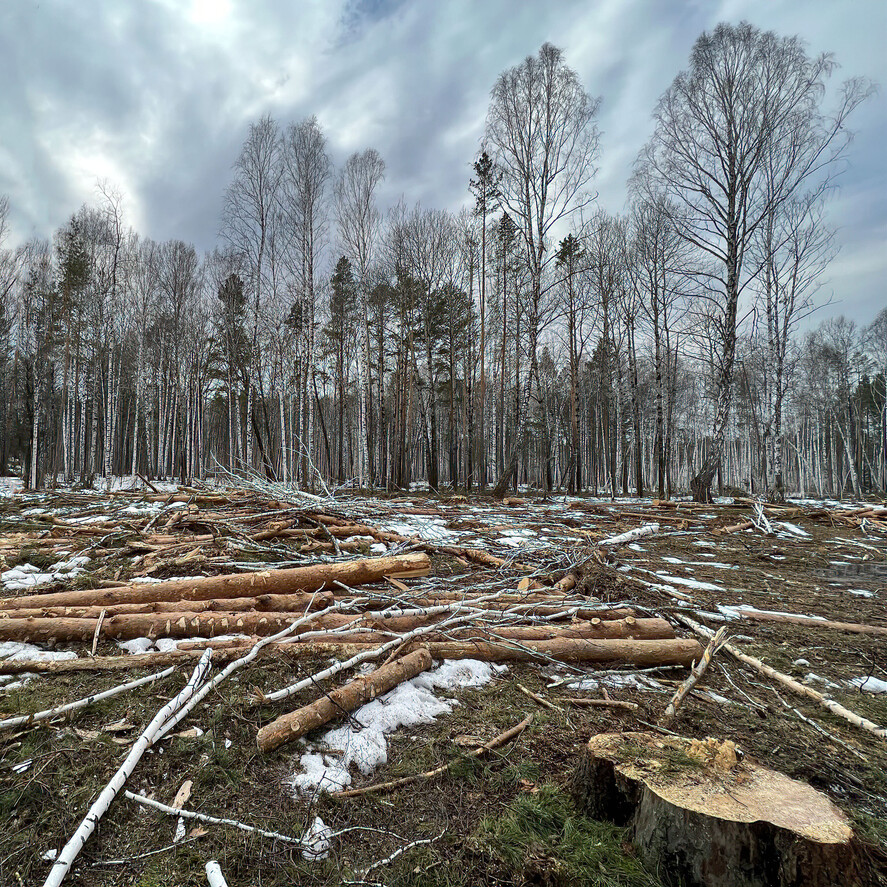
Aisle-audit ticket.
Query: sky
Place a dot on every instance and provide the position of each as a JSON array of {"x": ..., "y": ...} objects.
[{"x": 156, "y": 96}]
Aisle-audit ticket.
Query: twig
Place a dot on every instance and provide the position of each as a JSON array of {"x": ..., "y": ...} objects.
[
  {"x": 698, "y": 671},
  {"x": 125, "y": 860},
  {"x": 495, "y": 742},
  {"x": 540, "y": 699},
  {"x": 400, "y": 851}
]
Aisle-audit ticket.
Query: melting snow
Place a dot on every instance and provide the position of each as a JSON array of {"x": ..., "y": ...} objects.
[
  {"x": 27, "y": 575},
  {"x": 690, "y": 583},
  {"x": 873, "y": 685},
  {"x": 408, "y": 704},
  {"x": 317, "y": 840}
]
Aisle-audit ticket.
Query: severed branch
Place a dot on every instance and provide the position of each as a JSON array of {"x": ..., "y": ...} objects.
[
  {"x": 50, "y": 713},
  {"x": 65, "y": 859},
  {"x": 495, "y": 742},
  {"x": 698, "y": 671},
  {"x": 829, "y": 704}
]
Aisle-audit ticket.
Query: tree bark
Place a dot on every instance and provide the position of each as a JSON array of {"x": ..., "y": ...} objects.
[
  {"x": 363, "y": 689},
  {"x": 307, "y": 579}
]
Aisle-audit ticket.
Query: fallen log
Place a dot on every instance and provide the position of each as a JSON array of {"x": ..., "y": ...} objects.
[
  {"x": 286, "y": 603},
  {"x": 735, "y": 528},
  {"x": 642, "y": 653},
  {"x": 168, "y": 625},
  {"x": 291, "y": 726},
  {"x": 209, "y": 624},
  {"x": 641, "y": 629},
  {"x": 698, "y": 816},
  {"x": 232, "y": 585}
]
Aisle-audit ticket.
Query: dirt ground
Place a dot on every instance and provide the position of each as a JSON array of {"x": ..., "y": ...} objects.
[{"x": 505, "y": 818}]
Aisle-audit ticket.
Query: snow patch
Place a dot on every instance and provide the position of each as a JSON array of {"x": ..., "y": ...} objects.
[
  {"x": 411, "y": 703},
  {"x": 690, "y": 583},
  {"x": 873, "y": 685},
  {"x": 317, "y": 840}
]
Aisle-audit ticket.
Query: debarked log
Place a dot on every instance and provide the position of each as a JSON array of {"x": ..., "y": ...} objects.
[
  {"x": 232, "y": 585},
  {"x": 629, "y": 652}
]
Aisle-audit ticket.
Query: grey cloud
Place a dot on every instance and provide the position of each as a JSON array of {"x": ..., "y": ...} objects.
[{"x": 158, "y": 96}]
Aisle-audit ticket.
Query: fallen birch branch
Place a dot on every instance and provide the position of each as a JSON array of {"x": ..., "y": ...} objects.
[
  {"x": 210, "y": 820},
  {"x": 495, "y": 742},
  {"x": 63, "y": 863},
  {"x": 698, "y": 671},
  {"x": 50, "y": 713},
  {"x": 214, "y": 875},
  {"x": 631, "y": 535},
  {"x": 829, "y": 704}
]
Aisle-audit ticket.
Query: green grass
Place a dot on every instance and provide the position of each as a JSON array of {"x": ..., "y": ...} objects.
[{"x": 540, "y": 839}]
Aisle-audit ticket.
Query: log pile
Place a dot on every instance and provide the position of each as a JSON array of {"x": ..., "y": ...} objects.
[{"x": 295, "y": 582}]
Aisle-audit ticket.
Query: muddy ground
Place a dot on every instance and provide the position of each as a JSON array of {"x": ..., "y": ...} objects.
[{"x": 502, "y": 820}]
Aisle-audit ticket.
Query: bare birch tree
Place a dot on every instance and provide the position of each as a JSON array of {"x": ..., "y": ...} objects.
[
  {"x": 250, "y": 211},
  {"x": 358, "y": 221},
  {"x": 747, "y": 95},
  {"x": 540, "y": 125}
]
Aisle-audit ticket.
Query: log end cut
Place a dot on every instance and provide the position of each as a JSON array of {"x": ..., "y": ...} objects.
[{"x": 709, "y": 820}]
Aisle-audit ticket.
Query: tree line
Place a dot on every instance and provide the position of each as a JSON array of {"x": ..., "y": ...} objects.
[{"x": 530, "y": 338}]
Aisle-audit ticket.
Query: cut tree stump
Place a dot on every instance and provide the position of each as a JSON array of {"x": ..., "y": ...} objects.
[{"x": 704, "y": 819}]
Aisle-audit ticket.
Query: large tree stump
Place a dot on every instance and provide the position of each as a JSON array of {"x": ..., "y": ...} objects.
[{"x": 706, "y": 820}]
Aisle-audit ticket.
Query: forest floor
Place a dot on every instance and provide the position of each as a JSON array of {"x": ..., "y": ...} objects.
[{"x": 504, "y": 818}]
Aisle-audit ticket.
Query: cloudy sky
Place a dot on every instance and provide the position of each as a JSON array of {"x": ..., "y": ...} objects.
[{"x": 156, "y": 97}]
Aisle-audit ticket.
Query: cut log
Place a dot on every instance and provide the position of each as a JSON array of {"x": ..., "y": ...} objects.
[
  {"x": 287, "y": 603},
  {"x": 295, "y": 724},
  {"x": 702, "y": 819},
  {"x": 629, "y": 652},
  {"x": 232, "y": 585}
]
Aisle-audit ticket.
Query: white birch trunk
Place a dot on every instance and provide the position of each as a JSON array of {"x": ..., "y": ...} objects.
[{"x": 63, "y": 863}]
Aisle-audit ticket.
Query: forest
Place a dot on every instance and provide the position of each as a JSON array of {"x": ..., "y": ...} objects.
[{"x": 530, "y": 338}]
